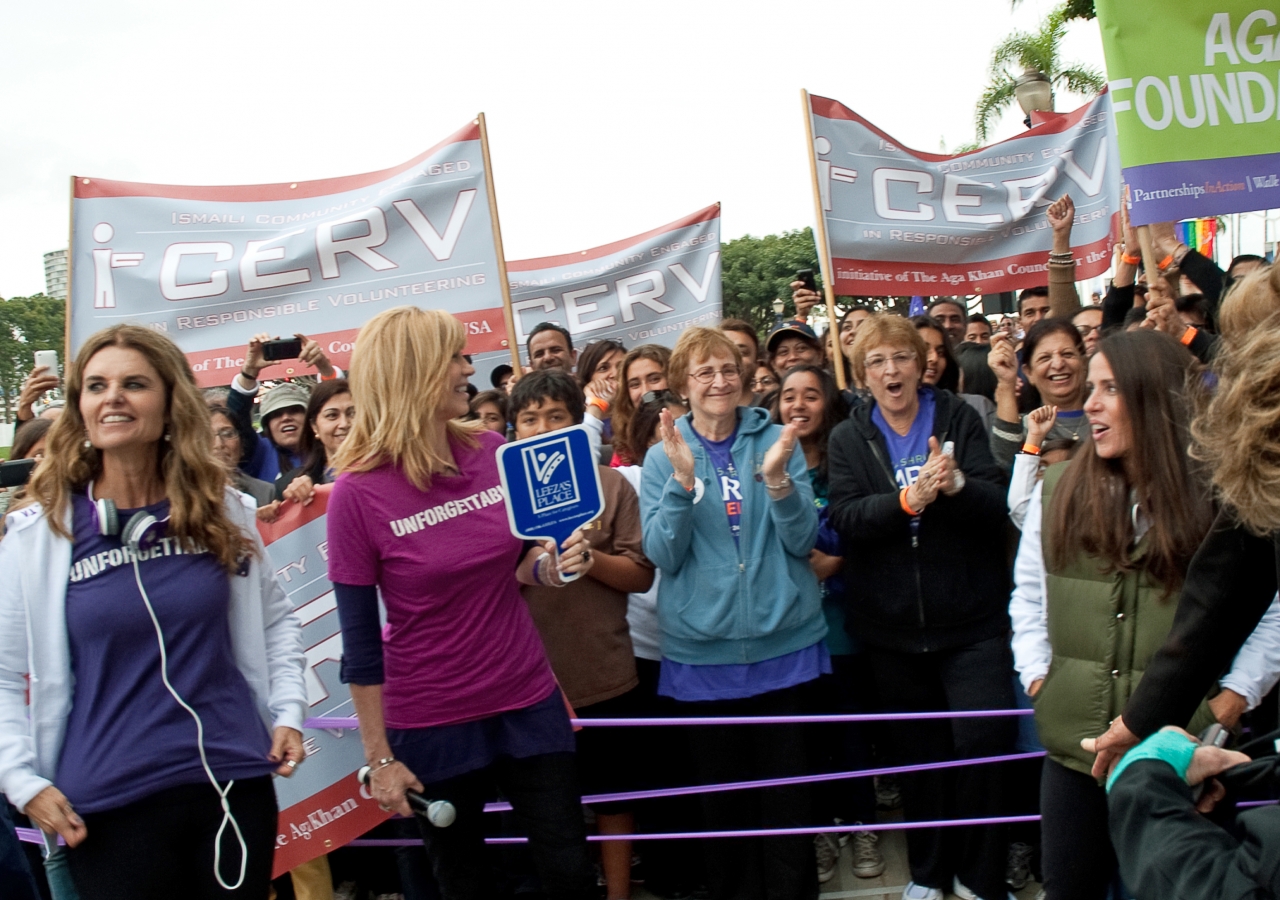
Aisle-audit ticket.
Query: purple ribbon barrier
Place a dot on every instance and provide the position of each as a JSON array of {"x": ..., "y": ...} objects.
[
  {"x": 746, "y": 832},
  {"x": 503, "y": 806},
  {"x": 350, "y": 721}
]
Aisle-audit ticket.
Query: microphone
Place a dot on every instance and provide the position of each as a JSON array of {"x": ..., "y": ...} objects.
[{"x": 440, "y": 813}]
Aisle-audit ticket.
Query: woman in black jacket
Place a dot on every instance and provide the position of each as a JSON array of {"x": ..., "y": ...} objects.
[{"x": 920, "y": 504}]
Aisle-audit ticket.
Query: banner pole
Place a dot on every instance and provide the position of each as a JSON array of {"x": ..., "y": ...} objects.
[
  {"x": 824, "y": 250},
  {"x": 508, "y": 314},
  {"x": 71, "y": 256},
  {"x": 1149, "y": 262}
]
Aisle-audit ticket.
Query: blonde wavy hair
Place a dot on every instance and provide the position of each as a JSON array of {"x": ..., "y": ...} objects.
[
  {"x": 194, "y": 482},
  {"x": 399, "y": 379},
  {"x": 1238, "y": 431}
]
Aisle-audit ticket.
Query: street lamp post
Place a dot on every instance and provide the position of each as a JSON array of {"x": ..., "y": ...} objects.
[
  {"x": 778, "y": 306},
  {"x": 1034, "y": 93}
]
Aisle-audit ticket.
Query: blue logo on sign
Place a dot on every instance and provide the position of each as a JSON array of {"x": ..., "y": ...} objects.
[{"x": 553, "y": 483}]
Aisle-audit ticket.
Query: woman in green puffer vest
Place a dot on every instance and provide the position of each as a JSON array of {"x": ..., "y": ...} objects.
[{"x": 1095, "y": 596}]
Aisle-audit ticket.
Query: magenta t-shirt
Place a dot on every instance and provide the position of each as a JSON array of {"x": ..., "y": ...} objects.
[{"x": 462, "y": 644}]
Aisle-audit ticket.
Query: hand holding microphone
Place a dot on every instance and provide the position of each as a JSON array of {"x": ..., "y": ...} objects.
[{"x": 440, "y": 813}]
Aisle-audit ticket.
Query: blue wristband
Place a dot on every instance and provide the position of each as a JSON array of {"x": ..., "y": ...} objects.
[
  {"x": 1174, "y": 748},
  {"x": 537, "y": 562}
]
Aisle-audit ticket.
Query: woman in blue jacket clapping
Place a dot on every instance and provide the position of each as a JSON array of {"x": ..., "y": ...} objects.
[{"x": 729, "y": 518}]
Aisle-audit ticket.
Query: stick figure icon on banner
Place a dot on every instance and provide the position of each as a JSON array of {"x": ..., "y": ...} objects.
[
  {"x": 104, "y": 260},
  {"x": 827, "y": 172},
  {"x": 552, "y": 485}
]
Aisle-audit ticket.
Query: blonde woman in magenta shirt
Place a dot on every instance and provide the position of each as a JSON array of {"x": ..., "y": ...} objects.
[{"x": 459, "y": 702}]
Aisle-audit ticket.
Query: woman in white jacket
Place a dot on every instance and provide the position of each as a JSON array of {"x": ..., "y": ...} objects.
[{"x": 165, "y": 666}]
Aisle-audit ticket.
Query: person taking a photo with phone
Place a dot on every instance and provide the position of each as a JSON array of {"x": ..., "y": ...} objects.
[{"x": 283, "y": 409}]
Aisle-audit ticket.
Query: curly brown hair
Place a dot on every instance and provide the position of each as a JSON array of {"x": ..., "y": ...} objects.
[
  {"x": 1238, "y": 431},
  {"x": 194, "y": 482}
]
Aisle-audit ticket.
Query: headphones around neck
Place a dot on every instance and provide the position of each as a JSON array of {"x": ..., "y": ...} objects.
[{"x": 134, "y": 532}]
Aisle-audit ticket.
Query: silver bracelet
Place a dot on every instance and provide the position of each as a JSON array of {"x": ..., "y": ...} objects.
[
  {"x": 547, "y": 581},
  {"x": 786, "y": 483}
]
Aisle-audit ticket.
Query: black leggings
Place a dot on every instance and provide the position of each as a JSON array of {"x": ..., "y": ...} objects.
[
  {"x": 1077, "y": 857},
  {"x": 546, "y": 801},
  {"x": 161, "y": 846}
]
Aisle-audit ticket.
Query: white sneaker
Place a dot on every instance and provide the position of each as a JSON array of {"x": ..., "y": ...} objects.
[
  {"x": 915, "y": 891},
  {"x": 868, "y": 861}
]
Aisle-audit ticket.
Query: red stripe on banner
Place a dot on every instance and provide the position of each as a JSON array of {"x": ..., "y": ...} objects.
[
  {"x": 322, "y": 823},
  {"x": 1009, "y": 273},
  {"x": 486, "y": 332},
  {"x": 292, "y": 516},
  {"x": 94, "y": 188},
  {"x": 568, "y": 259},
  {"x": 827, "y": 108}
]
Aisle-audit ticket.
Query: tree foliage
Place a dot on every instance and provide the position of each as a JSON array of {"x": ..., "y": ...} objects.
[
  {"x": 1075, "y": 9},
  {"x": 27, "y": 324},
  {"x": 1041, "y": 51},
  {"x": 757, "y": 270}
]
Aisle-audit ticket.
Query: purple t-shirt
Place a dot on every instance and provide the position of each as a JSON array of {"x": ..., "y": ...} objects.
[
  {"x": 727, "y": 479},
  {"x": 126, "y": 736},
  {"x": 908, "y": 452},
  {"x": 462, "y": 644},
  {"x": 734, "y": 681}
]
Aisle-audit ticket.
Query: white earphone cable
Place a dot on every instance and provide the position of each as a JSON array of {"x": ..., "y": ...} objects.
[{"x": 222, "y": 792}]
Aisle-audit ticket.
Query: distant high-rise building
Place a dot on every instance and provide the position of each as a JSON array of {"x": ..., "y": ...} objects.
[{"x": 55, "y": 274}]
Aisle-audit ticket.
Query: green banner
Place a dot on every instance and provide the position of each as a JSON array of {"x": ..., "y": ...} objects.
[{"x": 1192, "y": 82}]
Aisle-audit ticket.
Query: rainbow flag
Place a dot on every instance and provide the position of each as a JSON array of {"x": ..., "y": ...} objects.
[{"x": 1198, "y": 234}]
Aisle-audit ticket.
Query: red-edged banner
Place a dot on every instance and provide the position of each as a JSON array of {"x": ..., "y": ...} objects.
[
  {"x": 321, "y": 806},
  {"x": 212, "y": 266},
  {"x": 902, "y": 222}
]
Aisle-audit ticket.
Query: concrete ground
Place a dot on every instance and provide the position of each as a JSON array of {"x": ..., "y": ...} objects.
[{"x": 888, "y": 886}]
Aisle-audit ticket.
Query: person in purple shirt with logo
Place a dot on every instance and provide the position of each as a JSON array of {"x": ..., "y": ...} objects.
[
  {"x": 165, "y": 665},
  {"x": 728, "y": 516},
  {"x": 459, "y": 701}
]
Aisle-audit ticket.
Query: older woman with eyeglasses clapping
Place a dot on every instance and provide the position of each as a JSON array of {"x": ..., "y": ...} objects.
[
  {"x": 919, "y": 503},
  {"x": 729, "y": 518}
]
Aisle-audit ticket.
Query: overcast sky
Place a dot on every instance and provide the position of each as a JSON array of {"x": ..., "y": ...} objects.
[{"x": 605, "y": 119}]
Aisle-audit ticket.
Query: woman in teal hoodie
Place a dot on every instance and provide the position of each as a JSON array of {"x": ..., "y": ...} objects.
[{"x": 728, "y": 517}]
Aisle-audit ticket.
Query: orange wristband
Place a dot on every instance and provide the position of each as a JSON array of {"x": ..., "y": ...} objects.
[
  {"x": 906, "y": 508},
  {"x": 1164, "y": 263},
  {"x": 1131, "y": 260},
  {"x": 598, "y": 403},
  {"x": 1188, "y": 336},
  {"x": 1031, "y": 449}
]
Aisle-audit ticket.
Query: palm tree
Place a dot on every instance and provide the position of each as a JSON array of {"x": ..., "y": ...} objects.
[
  {"x": 1033, "y": 52},
  {"x": 1075, "y": 9}
]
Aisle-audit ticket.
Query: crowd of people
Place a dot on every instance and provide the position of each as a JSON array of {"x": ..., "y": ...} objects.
[{"x": 992, "y": 515}]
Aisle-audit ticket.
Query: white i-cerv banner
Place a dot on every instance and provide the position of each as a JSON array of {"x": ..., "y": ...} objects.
[
  {"x": 640, "y": 290},
  {"x": 211, "y": 266}
]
